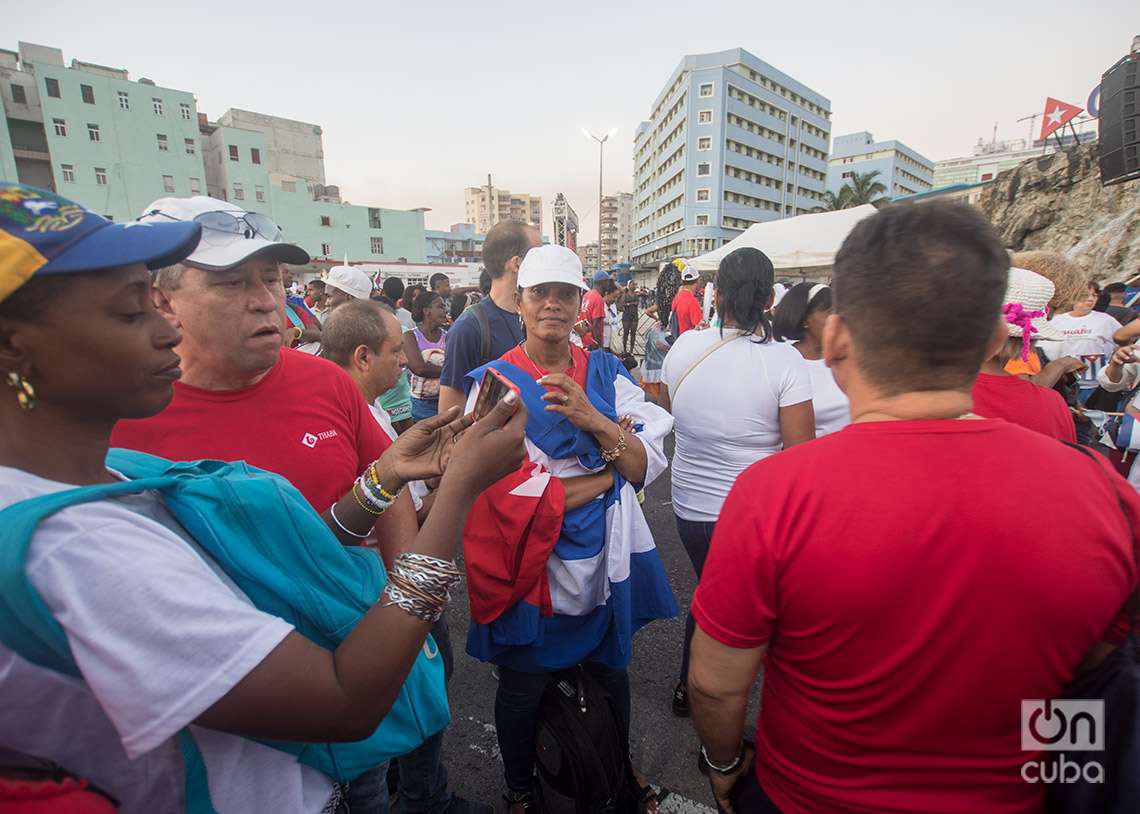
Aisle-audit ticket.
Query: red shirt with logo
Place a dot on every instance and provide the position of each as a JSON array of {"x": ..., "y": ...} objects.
[
  {"x": 688, "y": 310},
  {"x": 1020, "y": 401},
  {"x": 593, "y": 309},
  {"x": 306, "y": 420},
  {"x": 914, "y": 581}
]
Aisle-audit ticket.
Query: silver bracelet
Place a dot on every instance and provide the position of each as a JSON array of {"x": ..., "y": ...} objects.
[
  {"x": 731, "y": 767},
  {"x": 340, "y": 525},
  {"x": 420, "y": 585}
]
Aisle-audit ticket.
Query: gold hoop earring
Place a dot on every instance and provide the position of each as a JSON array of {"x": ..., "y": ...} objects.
[{"x": 26, "y": 394}]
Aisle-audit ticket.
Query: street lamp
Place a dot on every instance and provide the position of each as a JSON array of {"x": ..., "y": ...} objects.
[{"x": 601, "y": 152}]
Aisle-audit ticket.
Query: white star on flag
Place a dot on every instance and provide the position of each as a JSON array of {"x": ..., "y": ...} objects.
[{"x": 1056, "y": 116}]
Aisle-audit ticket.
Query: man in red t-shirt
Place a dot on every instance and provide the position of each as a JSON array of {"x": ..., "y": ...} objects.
[
  {"x": 901, "y": 609},
  {"x": 244, "y": 397},
  {"x": 593, "y": 311},
  {"x": 688, "y": 309}
]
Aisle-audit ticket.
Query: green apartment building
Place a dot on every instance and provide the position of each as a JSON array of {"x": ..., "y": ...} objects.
[{"x": 92, "y": 134}]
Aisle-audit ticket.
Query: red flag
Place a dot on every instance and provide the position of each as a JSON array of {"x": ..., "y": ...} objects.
[{"x": 1057, "y": 114}]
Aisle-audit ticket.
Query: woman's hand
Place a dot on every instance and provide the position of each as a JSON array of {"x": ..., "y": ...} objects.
[
  {"x": 423, "y": 451},
  {"x": 491, "y": 449},
  {"x": 568, "y": 399}
]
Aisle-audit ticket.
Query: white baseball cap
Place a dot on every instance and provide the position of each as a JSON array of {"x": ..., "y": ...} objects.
[
  {"x": 352, "y": 281},
  {"x": 551, "y": 264},
  {"x": 690, "y": 274},
  {"x": 230, "y": 234}
]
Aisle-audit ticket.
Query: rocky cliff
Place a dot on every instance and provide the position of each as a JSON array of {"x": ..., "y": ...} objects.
[{"x": 1057, "y": 203}]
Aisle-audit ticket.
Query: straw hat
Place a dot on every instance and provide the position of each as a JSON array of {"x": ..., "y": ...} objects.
[{"x": 1032, "y": 292}]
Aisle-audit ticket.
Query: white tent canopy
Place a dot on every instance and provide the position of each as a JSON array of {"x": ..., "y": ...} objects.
[{"x": 803, "y": 242}]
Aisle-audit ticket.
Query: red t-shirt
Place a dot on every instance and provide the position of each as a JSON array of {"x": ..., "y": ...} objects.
[
  {"x": 306, "y": 421},
  {"x": 1020, "y": 401},
  {"x": 908, "y": 610},
  {"x": 579, "y": 364},
  {"x": 593, "y": 309},
  {"x": 688, "y": 310}
]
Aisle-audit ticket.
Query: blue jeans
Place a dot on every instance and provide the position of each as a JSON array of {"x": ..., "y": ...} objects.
[
  {"x": 424, "y": 408},
  {"x": 696, "y": 535},
  {"x": 423, "y": 777},
  {"x": 516, "y": 715}
]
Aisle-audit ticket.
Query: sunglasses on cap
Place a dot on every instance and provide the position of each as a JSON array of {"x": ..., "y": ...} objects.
[{"x": 220, "y": 226}]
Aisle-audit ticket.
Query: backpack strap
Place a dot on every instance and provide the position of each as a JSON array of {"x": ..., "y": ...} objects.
[{"x": 484, "y": 331}]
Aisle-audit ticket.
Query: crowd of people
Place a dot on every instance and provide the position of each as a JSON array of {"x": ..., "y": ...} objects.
[{"x": 233, "y": 512}]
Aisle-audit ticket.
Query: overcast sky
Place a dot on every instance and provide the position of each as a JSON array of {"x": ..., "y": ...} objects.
[{"x": 419, "y": 100}]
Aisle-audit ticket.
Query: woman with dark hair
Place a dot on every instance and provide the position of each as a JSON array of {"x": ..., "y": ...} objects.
[
  {"x": 736, "y": 397},
  {"x": 799, "y": 319},
  {"x": 424, "y": 348}
]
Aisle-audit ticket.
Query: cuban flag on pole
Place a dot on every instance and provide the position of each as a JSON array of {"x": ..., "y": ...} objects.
[{"x": 603, "y": 579}]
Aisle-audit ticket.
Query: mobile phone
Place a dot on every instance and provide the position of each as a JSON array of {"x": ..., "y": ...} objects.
[{"x": 492, "y": 389}]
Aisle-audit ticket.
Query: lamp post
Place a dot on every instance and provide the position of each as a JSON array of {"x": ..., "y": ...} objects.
[{"x": 601, "y": 154}]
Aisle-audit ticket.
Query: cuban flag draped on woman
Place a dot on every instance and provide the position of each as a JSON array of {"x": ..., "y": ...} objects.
[{"x": 603, "y": 578}]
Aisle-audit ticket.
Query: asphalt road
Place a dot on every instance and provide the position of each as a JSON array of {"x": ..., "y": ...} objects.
[{"x": 664, "y": 747}]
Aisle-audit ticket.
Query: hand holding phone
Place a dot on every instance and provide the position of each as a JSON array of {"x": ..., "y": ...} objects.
[{"x": 492, "y": 389}]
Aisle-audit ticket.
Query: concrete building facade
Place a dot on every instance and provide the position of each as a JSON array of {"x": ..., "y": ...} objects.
[
  {"x": 993, "y": 157},
  {"x": 902, "y": 171},
  {"x": 460, "y": 244},
  {"x": 616, "y": 224},
  {"x": 115, "y": 145},
  {"x": 484, "y": 207},
  {"x": 730, "y": 141},
  {"x": 588, "y": 254}
]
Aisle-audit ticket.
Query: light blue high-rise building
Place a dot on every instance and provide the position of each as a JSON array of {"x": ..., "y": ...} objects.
[
  {"x": 902, "y": 171},
  {"x": 730, "y": 142}
]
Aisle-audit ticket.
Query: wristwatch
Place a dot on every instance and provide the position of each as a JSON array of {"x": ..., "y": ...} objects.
[{"x": 731, "y": 767}]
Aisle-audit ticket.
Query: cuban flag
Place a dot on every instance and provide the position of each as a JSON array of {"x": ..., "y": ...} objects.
[{"x": 545, "y": 599}]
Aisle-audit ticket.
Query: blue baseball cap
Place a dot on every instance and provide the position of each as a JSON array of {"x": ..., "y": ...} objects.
[
  {"x": 601, "y": 275},
  {"x": 44, "y": 233}
]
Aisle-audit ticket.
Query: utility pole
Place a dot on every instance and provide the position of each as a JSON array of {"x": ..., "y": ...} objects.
[
  {"x": 490, "y": 199},
  {"x": 1032, "y": 120},
  {"x": 601, "y": 150}
]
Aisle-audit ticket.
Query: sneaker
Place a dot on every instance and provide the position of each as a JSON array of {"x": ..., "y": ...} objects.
[{"x": 681, "y": 700}]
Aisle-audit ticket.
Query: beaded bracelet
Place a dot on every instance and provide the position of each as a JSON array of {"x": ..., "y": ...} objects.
[
  {"x": 611, "y": 455},
  {"x": 363, "y": 503},
  {"x": 374, "y": 472}
]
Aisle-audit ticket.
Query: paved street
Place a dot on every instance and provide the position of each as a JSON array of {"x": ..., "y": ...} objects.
[{"x": 664, "y": 747}]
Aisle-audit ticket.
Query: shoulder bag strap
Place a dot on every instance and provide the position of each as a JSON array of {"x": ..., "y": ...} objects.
[{"x": 709, "y": 351}]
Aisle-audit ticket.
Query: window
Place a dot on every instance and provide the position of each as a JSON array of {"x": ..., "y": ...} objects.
[
  {"x": 259, "y": 193},
  {"x": 326, "y": 220},
  {"x": 255, "y": 155},
  {"x": 88, "y": 94},
  {"x": 101, "y": 176},
  {"x": 377, "y": 245},
  {"x": 704, "y": 143},
  {"x": 19, "y": 94},
  {"x": 702, "y": 220},
  {"x": 52, "y": 86},
  {"x": 163, "y": 146},
  {"x": 168, "y": 183},
  {"x": 195, "y": 186},
  {"x": 234, "y": 152},
  {"x": 703, "y": 194},
  {"x": 704, "y": 117},
  {"x": 239, "y": 192},
  {"x": 156, "y": 103},
  {"x": 124, "y": 100},
  {"x": 289, "y": 186},
  {"x": 986, "y": 176},
  {"x": 93, "y": 132},
  {"x": 68, "y": 173},
  {"x": 704, "y": 170},
  {"x": 706, "y": 90},
  {"x": 190, "y": 148},
  {"x": 185, "y": 108},
  {"x": 60, "y": 127},
  {"x": 374, "y": 219},
  {"x": 326, "y": 249}
]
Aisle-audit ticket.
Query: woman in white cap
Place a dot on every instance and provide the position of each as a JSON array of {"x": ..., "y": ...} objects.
[
  {"x": 999, "y": 394},
  {"x": 561, "y": 563},
  {"x": 799, "y": 318}
]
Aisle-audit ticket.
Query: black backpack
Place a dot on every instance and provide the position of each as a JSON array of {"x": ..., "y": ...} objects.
[{"x": 581, "y": 750}]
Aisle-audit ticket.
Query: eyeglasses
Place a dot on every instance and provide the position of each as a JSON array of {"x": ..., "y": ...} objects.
[{"x": 220, "y": 226}]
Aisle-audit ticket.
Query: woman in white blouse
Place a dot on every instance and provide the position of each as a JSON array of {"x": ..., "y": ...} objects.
[{"x": 799, "y": 319}]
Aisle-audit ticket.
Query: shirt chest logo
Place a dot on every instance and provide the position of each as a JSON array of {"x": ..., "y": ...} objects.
[{"x": 310, "y": 440}]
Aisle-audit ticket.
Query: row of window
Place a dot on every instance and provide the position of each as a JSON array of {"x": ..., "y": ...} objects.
[
  {"x": 757, "y": 103},
  {"x": 67, "y": 173},
  {"x": 754, "y": 127},
  {"x": 376, "y": 244},
  {"x": 87, "y": 93},
  {"x": 790, "y": 95},
  {"x": 254, "y": 154}
]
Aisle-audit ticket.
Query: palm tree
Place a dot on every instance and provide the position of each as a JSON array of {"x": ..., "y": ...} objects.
[{"x": 861, "y": 188}]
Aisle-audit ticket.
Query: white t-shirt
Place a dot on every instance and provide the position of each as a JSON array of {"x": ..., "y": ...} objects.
[
  {"x": 159, "y": 635},
  {"x": 406, "y": 321},
  {"x": 1089, "y": 338},
  {"x": 727, "y": 412},
  {"x": 832, "y": 410}
]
